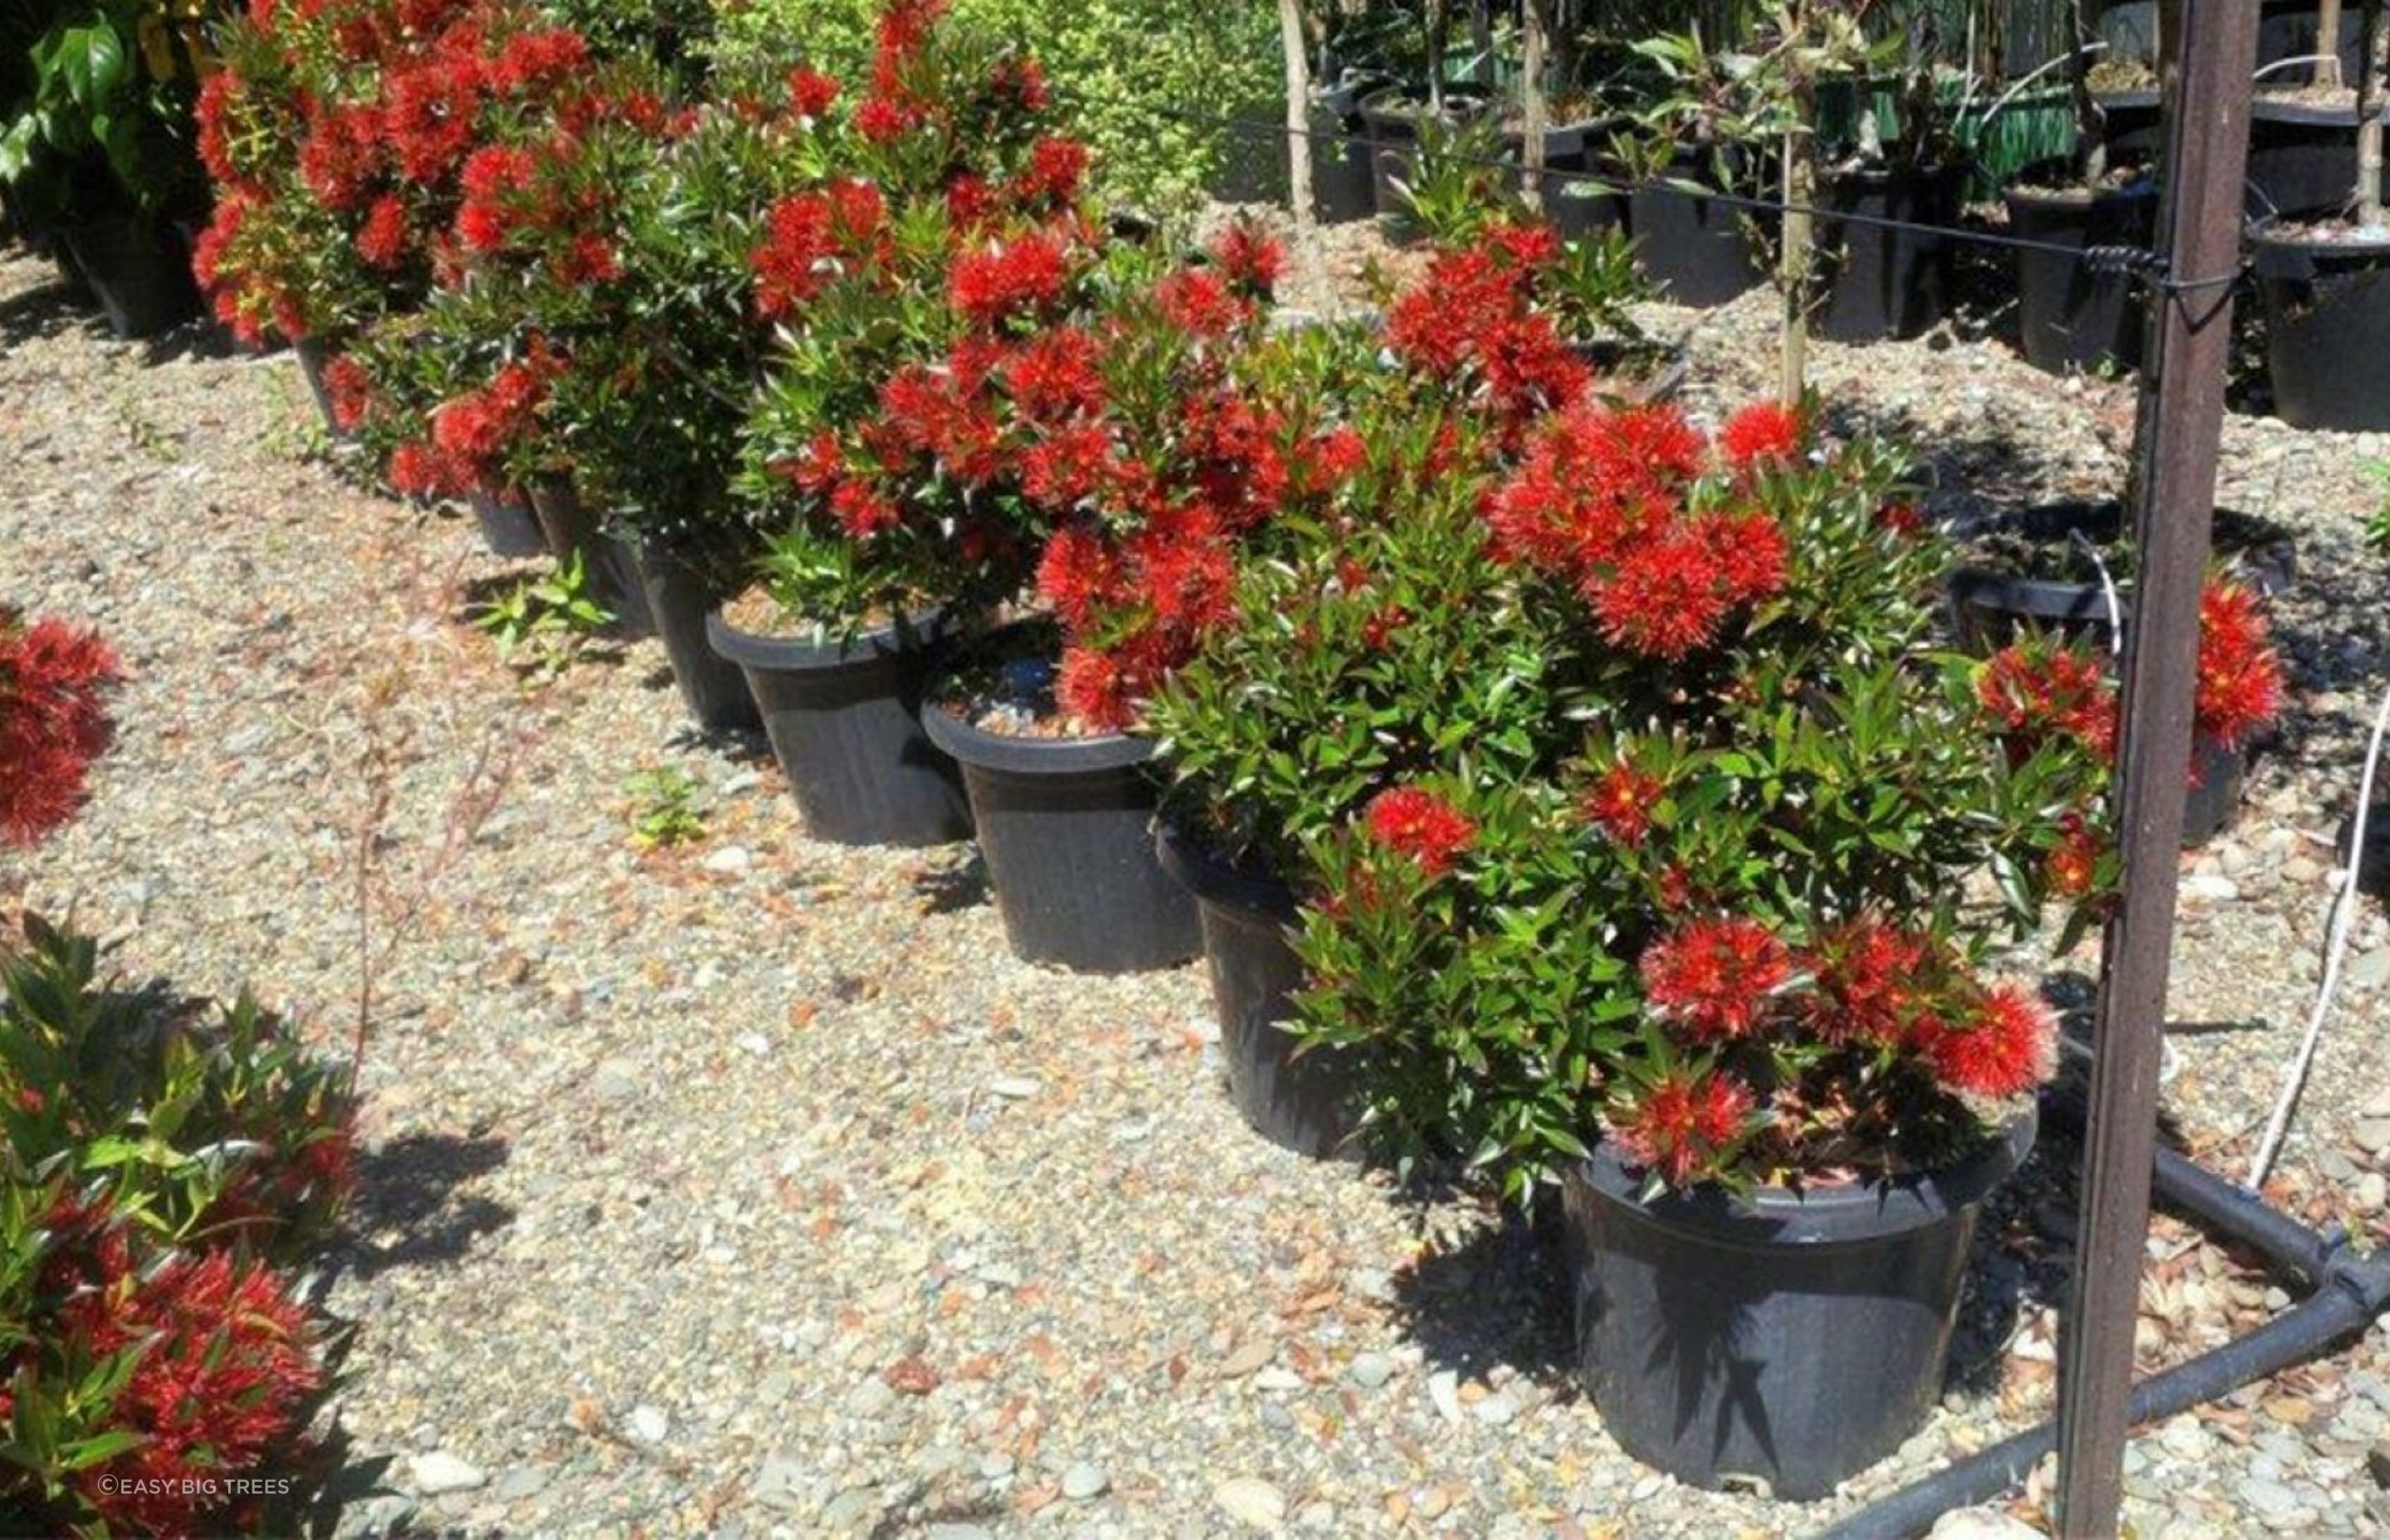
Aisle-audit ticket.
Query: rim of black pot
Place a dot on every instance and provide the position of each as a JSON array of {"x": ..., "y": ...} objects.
[
  {"x": 1768, "y": 1218},
  {"x": 1021, "y": 754},
  {"x": 2131, "y": 192},
  {"x": 2273, "y": 235},
  {"x": 1392, "y": 103},
  {"x": 1202, "y": 871},
  {"x": 921, "y": 628},
  {"x": 2265, "y": 552},
  {"x": 2139, "y": 98},
  {"x": 2289, "y": 110}
]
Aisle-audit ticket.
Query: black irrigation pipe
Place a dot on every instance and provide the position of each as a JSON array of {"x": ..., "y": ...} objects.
[
  {"x": 2345, "y": 1292},
  {"x": 2131, "y": 260}
]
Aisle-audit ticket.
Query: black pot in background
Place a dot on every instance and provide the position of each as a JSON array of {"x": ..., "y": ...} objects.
[
  {"x": 1593, "y": 202},
  {"x": 2133, "y": 125},
  {"x": 1989, "y": 607},
  {"x": 1394, "y": 118},
  {"x": 2301, "y": 157},
  {"x": 138, "y": 269},
  {"x": 2327, "y": 331},
  {"x": 2213, "y": 797},
  {"x": 1343, "y": 178},
  {"x": 1695, "y": 249},
  {"x": 509, "y": 526},
  {"x": 680, "y": 596},
  {"x": 2069, "y": 317},
  {"x": 845, "y": 720},
  {"x": 609, "y": 565},
  {"x": 1880, "y": 282},
  {"x": 1301, "y": 1102},
  {"x": 1066, "y": 825},
  {"x": 1781, "y": 1339}
]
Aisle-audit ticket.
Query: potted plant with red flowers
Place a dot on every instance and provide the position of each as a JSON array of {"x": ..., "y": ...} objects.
[
  {"x": 1717, "y": 971},
  {"x": 934, "y": 215}
]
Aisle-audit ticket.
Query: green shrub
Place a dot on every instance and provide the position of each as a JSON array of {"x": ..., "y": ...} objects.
[{"x": 1127, "y": 74}]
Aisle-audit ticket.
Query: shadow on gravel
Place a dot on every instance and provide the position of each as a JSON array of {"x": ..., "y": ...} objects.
[
  {"x": 1986, "y": 469},
  {"x": 409, "y": 1187},
  {"x": 1499, "y": 1298},
  {"x": 951, "y": 889},
  {"x": 987, "y": 1511},
  {"x": 49, "y": 309}
]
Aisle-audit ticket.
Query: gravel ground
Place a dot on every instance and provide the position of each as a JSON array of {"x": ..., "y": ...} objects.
[{"x": 750, "y": 1187}]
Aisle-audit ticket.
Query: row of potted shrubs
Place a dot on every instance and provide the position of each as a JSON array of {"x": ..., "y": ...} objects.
[{"x": 1561, "y": 791}]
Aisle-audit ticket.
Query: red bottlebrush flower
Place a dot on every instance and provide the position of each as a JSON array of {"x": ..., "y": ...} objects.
[
  {"x": 880, "y": 119},
  {"x": 1054, "y": 376},
  {"x": 1765, "y": 434},
  {"x": 536, "y": 61},
  {"x": 350, "y": 390},
  {"x": 2074, "y": 862},
  {"x": 341, "y": 157},
  {"x": 904, "y": 25},
  {"x": 1338, "y": 455},
  {"x": 1021, "y": 82},
  {"x": 1665, "y": 598},
  {"x": 1594, "y": 480},
  {"x": 863, "y": 510},
  {"x": 1901, "y": 518},
  {"x": 2007, "y": 1047},
  {"x": 1383, "y": 626},
  {"x": 385, "y": 240},
  {"x": 811, "y": 239},
  {"x": 216, "y": 93},
  {"x": 996, "y": 283},
  {"x": 1680, "y": 1127},
  {"x": 1716, "y": 978},
  {"x": 2240, "y": 679},
  {"x": 1621, "y": 802},
  {"x": 970, "y": 203},
  {"x": 1056, "y": 172},
  {"x": 1535, "y": 245},
  {"x": 1077, "y": 569},
  {"x": 1751, "y": 552},
  {"x": 431, "y": 114},
  {"x": 493, "y": 177},
  {"x": 1869, "y": 983},
  {"x": 1415, "y": 822},
  {"x": 2038, "y": 688},
  {"x": 1250, "y": 258},
  {"x": 1089, "y": 688},
  {"x": 811, "y": 92},
  {"x": 1197, "y": 302},
  {"x": 55, "y": 681},
  {"x": 1067, "y": 467}
]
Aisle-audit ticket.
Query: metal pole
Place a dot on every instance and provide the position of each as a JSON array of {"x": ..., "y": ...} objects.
[{"x": 2181, "y": 422}]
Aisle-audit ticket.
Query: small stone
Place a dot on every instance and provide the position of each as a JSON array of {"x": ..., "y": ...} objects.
[
  {"x": 2271, "y": 1500},
  {"x": 2300, "y": 868},
  {"x": 647, "y": 1425},
  {"x": 2370, "y": 971},
  {"x": 1084, "y": 1481},
  {"x": 1014, "y": 1087},
  {"x": 2372, "y": 1191},
  {"x": 996, "y": 1467},
  {"x": 960, "y": 1531},
  {"x": 870, "y": 1398},
  {"x": 2377, "y": 1462},
  {"x": 2184, "y": 1438},
  {"x": 849, "y": 1508},
  {"x": 1252, "y": 1502},
  {"x": 440, "y": 1472},
  {"x": 528, "y": 1481},
  {"x": 616, "y": 1080},
  {"x": 2373, "y": 1135},
  {"x": 2215, "y": 889},
  {"x": 1444, "y": 1390},
  {"x": 754, "y": 1043},
  {"x": 1248, "y": 1357},
  {"x": 1981, "y": 1523},
  {"x": 1277, "y": 1378},
  {"x": 729, "y": 861},
  {"x": 1497, "y": 1411},
  {"x": 1370, "y": 1371}
]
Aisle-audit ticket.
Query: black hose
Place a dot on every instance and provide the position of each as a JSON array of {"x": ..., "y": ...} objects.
[{"x": 2300, "y": 1254}]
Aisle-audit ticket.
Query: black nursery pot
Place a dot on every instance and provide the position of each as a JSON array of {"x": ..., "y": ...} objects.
[
  {"x": 1066, "y": 826},
  {"x": 1343, "y": 175},
  {"x": 1882, "y": 282},
  {"x": 680, "y": 596},
  {"x": 2213, "y": 795},
  {"x": 509, "y": 526},
  {"x": 1783, "y": 1339},
  {"x": 2327, "y": 330},
  {"x": 2302, "y": 157},
  {"x": 609, "y": 566},
  {"x": 315, "y": 355},
  {"x": 1392, "y": 118},
  {"x": 1301, "y": 1102},
  {"x": 1695, "y": 249},
  {"x": 844, "y": 721},
  {"x": 2070, "y": 317},
  {"x": 140, "y": 272}
]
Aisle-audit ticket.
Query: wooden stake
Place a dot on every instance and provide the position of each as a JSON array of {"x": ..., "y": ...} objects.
[
  {"x": 2173, "y": 493},
  {"x": 1531, "y": 99},
  {"x": 1298, "y": 113}
]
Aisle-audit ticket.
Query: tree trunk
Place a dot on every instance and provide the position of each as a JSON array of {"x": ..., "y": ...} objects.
[
  {"x": 1298, "y": 114},
  {"x": 2375, "y": 82},
  {"x": 1531, "y": 101},
  {"x": 1793, "y": 262},
  {"x": 2326, "y": 70}
]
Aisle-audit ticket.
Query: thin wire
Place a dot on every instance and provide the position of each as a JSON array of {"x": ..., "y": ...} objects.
[{"x": 2125, "y": 261}]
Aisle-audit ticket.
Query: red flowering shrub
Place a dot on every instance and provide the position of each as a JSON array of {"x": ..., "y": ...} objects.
[
  {"x": 1418, "y": 823},
  {"x": 55, "y": 681},
  {"x": 153, "y": 1346}
]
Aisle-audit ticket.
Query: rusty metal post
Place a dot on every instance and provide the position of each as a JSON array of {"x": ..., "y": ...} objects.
[{"x": 2181, "y": 427}]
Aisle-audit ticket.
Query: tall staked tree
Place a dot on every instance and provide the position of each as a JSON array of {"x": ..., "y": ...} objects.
[{"x": 1298, "y": 112}]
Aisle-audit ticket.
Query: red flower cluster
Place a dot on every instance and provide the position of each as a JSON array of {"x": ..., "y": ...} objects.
[
  {"x": 1716, "y": 978},
  {"x": 1416, "y": 823},
  {"x": 1872, "y": 982},
  {"x": 1604, "y": 501},
  {"x": 471, "y": 433},
  {"x": 1621, "y": 802},
  {"x": 814, "y": 237},
  {"x": 1682, "y": 1125},
  {"x": 2004, "y": 1047},
  {"x": 2240, "y": 679},
  {"x": 55, "y": 681},
  {"x": 222, "y": 1383},
  {"x": 352, "y": 391},
  {"x": 1476, "y": 320},
  {"x": 1007, "y": 280},
  {"x": 2040, "y": 688},
  {"x": 1765, "y": 434}
]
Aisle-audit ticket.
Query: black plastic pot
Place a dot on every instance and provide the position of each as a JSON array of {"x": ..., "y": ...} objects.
[
  {"x": 2070, "y": 317},
  {"x": 1343, "y": 178},
  {"x": 1780, "y": 1340},
  {"x": 1989, "y": 607},
  {"x": 1880, "y": 282},
  {"x": 680, "y": 596},
  {"x": 2302, "y": 157},
  {"x": 315, "y": 355},
  {"x": 138, "y": 269},
  {"x": 2327, "y": 331},
  {"x": 609, "y": 566},
  {"x": 845, "y": 720},
  {"x": 1394, "y": 118},
  {"x": 1695, "y": 249},
  {"x": 509, "y": 527},
  {"x": 1300, "y": 1102},
  {"x": 1593, "y": 204},
  {"x": 2213, "y": 797},
  {"x": 1066, "y": 825}
]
